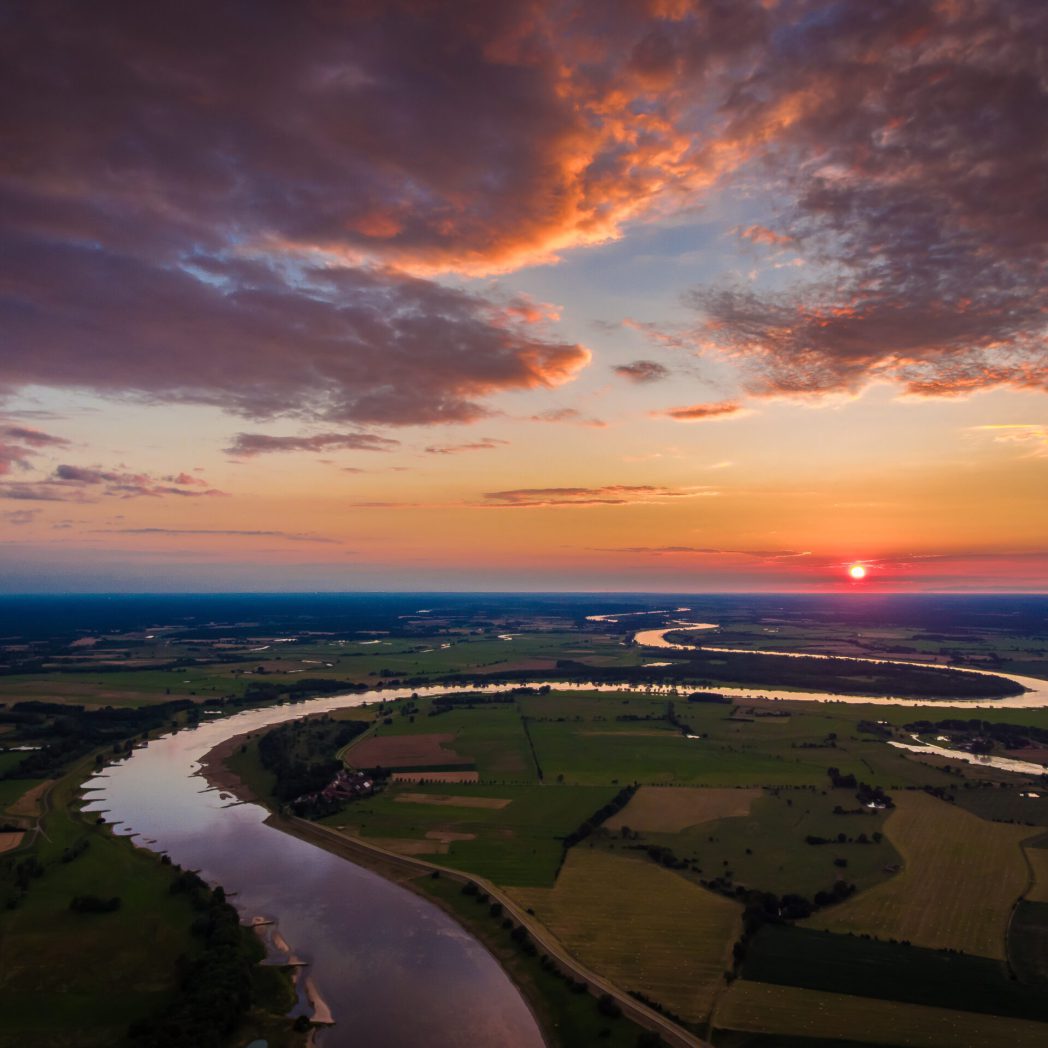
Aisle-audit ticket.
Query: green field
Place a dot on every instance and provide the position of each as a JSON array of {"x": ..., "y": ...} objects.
[
  {"x": 766, "y": 849},
  {"x": 491, "y": 736},
  {"x": 640, "y": 926},
  {"x": 12, "y": 789},
  {"x": 518, "y": 844},
  {"x": 961, "y": 878},
  {"x": 58, "y": 968},
  {"x": 848, "y": 964},
  {"x": 1028, "y": 945}
]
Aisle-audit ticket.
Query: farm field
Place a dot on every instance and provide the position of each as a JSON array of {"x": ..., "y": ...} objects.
[
  {"x": 490, "y": 738},
  {"x": 670, "y": 809},
  {"x": 962, "y": 875},
  {"x": 46, "y": 1000},
  {"x": 1028, "y": 944},
  {"x": 827, "y": 1017},
  {"x": 849, "y": 964},
  {"x": 766, "y": 849},
  {"x": 641, "y": 926},
  {"x": 516, "y": 843}
]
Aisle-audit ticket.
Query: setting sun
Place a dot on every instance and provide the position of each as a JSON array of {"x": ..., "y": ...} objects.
[{"x": 857, "y": 571}]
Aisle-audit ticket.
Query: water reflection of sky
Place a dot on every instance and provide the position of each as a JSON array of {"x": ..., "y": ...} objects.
[{"x": 394, "y": 969}]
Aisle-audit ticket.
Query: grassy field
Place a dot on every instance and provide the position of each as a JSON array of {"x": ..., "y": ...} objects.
[
  {"x": 518, "y": 844},
  {"x": 790, "y": 1011},
  {"x": 961, "y": 878},
  {"x": 766, "y": 848},
  {"x": 641, "y": 926},
  {"x": 245, "y": 764},
  {"x": 1028, "y": 944},
  {"x": 790, "y": 956},
  {"x": 58, "y": 968},
  {"x": 490, "y": 737},
  {"x": 12, "y": 789},
  {"x": 586, "y": 756},
  {"x": 670, "y": 809},
  {"x": 1003, "y": 803}
]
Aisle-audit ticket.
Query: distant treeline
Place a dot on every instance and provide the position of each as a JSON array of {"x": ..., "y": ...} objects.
[
  {"x": 613, "y": 807},
  {"x": 72, "y": 731},
  {"x": 844, "y": 676},
  {"x": 1008, "y": 736}
]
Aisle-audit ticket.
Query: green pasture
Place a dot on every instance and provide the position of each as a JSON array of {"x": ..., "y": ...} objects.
[
  {"x": 515, "y": 845},
  {"x": 766, "y": 849},
  {"x": 792, "y": 956},
  {"x": 58, "y": 969}
]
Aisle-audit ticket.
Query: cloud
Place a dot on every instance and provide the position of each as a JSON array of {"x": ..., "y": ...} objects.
[
  {"x": 484, "y": 444},
  {"x": 1033, "y": 436},
  {"x": 701, "y": 412},
  {"x": 291, "y": 536},
  {"x": 643, "y": 371},
  {"x": 702, "y": 551},
  {"x": 569, "y": 415},
  {"x": 764, "y": 236},
  {"x": 344, "y": 154},
  {"x": 19, "y": 517},
  {"x": 19, "y": 444},
  {"x": 911, "y": 149},
  {"x": 70, "y": 483},
  {"x": 608, "y": 495},
  {"x": 248, "y": 445}
]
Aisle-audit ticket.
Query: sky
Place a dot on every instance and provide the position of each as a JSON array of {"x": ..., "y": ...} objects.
[{"x": 605, "y": 295}]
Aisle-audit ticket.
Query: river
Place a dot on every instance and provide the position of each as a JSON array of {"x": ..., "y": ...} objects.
[{"x": 393, "y": 968}]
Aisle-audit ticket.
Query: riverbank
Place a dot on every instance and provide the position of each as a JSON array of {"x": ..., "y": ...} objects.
[{"x": 551, "y": 988}]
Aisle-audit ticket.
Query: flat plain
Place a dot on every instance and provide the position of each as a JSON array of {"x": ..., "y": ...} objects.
[
  {"x": 961, "y": 878},
  {"x": 641, "y": 926}
]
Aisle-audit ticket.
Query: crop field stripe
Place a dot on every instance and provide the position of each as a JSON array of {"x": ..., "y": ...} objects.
[
  {"x": 962, "y": 876},
  {"x": 788, "y": 1010},
  {"x": 642, "y": 927},
  {"x": 670, "y": 809}
]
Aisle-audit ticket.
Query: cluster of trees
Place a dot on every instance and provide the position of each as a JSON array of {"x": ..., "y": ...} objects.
[
  {"x": 259, "y": 692},
  {"x": 72, "y": 731},
  {"x": 1007, "y": 736},
  {"x": 705, "y": 670},
  {"x": 710, "y": 696},
  {"x": 843, "y": 839},
  {"x": 865, "y": 793},
  {"x": 215, "y": 985},
  {"x": 300, "y": 754},
  {"x": 613, "y": 807},
  {"x": 94, "y": 904}
]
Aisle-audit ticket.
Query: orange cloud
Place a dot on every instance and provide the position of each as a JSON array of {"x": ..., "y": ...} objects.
[{"x": 703, "y": 412}]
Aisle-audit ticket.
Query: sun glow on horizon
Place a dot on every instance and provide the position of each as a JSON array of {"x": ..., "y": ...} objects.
[{"x": 857, "y": 572}]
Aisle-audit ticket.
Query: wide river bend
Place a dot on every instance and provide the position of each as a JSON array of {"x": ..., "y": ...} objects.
[{"x": 392, "y": 967}]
